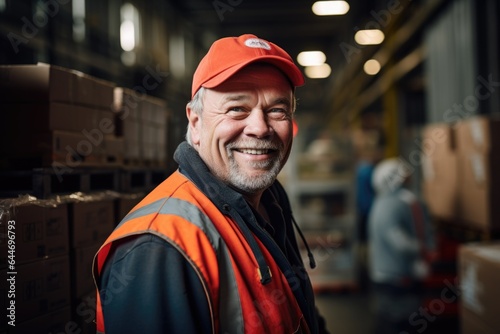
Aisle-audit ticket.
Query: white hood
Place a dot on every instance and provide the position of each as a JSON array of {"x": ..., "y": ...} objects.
[{"x": 389, "y": 175}]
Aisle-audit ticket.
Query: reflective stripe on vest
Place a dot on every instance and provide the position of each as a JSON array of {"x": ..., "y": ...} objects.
[
  {"x": 228, "y": 289},
  {"x": 235, "y": 297}
]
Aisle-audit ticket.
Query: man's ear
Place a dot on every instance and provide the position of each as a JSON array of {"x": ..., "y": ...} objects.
[{"x": 194, "y": 125}]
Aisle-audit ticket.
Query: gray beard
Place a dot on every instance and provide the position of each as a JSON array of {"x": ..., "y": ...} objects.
[{"x": 252, "y": 185}]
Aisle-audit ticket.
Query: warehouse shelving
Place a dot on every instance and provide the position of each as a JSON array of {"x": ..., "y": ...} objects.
[{"x": 322, "y": 201}]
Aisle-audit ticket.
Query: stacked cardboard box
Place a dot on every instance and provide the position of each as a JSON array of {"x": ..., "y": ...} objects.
[
  {"x": 43, "y": 288},
  {"x": 55, "y": 243},
  {"x": 479, "y": 274},
  {"x": 54, "y": 115},
  {"x": 38, "y": 262},
  {"x": 126, "y": 202},
  {"x": 440, "y": 170},
  {"x": 142, "y": 123},
  {"x": 41, "y": 229},
  {"x": 91, "y": 220},
  {"x": 478, "y": 147},
  {"x": 459, "y": 164},
  {"x": 126, "y": 107},
  {"x": 154, "y": 129},
  {"x": 53, "y": 322}
]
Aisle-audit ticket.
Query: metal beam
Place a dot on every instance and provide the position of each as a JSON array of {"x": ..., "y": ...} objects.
[{"x": 349, "y": 87}]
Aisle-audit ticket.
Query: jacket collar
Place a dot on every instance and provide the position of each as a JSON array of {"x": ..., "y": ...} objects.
[
  {"x": 193, "y": 167},
  {"x": 227, "y": 200},
  {"x": 233, "y": 204}
]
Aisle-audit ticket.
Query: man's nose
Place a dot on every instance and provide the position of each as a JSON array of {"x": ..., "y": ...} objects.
[{"x": 258, "y": 124}]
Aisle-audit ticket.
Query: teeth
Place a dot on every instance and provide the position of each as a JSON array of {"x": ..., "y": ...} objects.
[{"x": 252, "y": 151}]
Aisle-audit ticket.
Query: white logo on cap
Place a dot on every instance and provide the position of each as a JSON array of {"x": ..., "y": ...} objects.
[{"x": 257, "y": 43}]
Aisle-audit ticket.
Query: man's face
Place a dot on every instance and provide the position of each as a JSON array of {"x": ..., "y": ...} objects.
[{"x": 244, "y": 133}]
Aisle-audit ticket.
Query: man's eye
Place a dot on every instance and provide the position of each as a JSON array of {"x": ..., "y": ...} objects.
[{"x": 278, "y": 113}]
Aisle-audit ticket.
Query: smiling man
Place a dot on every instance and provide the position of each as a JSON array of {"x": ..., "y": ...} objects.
[
  {"x": 244, "y": 133},
  {"x": 212, "y": 249}
]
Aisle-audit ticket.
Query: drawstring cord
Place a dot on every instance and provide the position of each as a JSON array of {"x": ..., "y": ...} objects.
[{"x": 312, "y": 261}]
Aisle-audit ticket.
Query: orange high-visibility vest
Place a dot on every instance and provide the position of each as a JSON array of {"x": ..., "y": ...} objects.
[{"x": 215, "y": 247}]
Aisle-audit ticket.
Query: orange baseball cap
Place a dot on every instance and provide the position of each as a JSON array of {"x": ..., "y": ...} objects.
[{"x": 228, "y": 55}]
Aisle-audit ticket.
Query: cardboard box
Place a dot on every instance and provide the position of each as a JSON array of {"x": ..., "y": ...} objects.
[
  {"x": 36, "y": 83},
  {"x": 42, "y": 287},
  {"x": 438, "y": 138},
  {"x": 153, "y": 142},
  {"x": 58, "y": 321},
  {"x": 478, "y": 160},
  {"x": 91, "y": 222},
  {"x": 83, "y": 89},
  {"x": 47, "y": 116},
  {"x": 161, "y": 156},
  {"x": 131, "y": 130},
  {"x": 93, "y": 92},
  {"x": 479, "y": 133},
  {"x": 479, "y": 274},
  {"x": 457, "y": 164},
  {"x": 440, "y": 185},
  {"x": 127, "y": 107},
  {"x": 41, "y": 231},
  {"x": 82, "y": 281},
  {"x": 84, "y": 310},
  {"x": 132, "y": 134},
  {"x": 115, "y": 149},
  {"x": 126, "y": 103},
  {"x": 125, "y": 203},
  {"x": 142, "y": 121},
  {"x": 479, "y": 189},
  {"x": 106, "y": 125},
  {"x": 471, "y": 324},
  {"x": 147, "y": 141},
  {"x": 104, "y": 93},
  {"x": 439, "y": 170},
  {"x": 4, "y": 299},
  {"x": 153, "y": 109},
  {"x": 68, "y": 149},
  {"x": 3, "y": 245},
  {"x": 160, "y": 114},
  {"x": 43, "y": 83}
]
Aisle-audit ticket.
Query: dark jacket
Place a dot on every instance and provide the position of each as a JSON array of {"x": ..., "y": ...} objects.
[{"x": 182, "y": 292}]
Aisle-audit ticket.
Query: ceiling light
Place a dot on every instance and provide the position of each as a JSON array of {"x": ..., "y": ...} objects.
[
  {"x": 318, "y": 72},
  {"x": 129, "y": 28},
  {"x": 322, "y": 8},
  {"x": 311, "y": 58},
  {"x": 371, "y": 67},
  {"x": 127, "y": 35},
  {"x": 369, "y": 37}
]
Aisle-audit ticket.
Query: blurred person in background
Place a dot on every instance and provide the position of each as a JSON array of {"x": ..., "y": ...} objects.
[
  {"x": 369, "y": 148},
  {"x": 400, "y": 248}
]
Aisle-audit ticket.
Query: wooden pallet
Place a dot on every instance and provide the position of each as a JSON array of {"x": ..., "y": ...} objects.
[
  {"x": 134, "y": 179},
  {"x": 47, "y": 182}
]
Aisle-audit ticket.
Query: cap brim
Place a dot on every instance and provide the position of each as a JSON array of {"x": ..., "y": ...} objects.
[{"x": 289, "y": 69}]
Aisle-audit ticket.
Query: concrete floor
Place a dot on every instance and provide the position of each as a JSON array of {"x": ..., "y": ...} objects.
[
  {"x": 350, "y": 313},
  {"x": 346, "y": 313}
]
